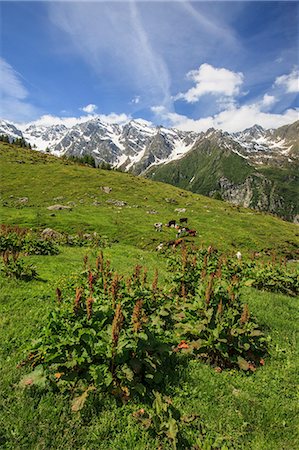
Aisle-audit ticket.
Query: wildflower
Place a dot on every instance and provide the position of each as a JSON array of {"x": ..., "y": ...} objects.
[
  {"x": 90, "y": 281},
  {"x": 220, "y": 307},
  {"x": 77, "y": 300},
  {"x": 89, "y": 303},
  {"x": 137, "y": 272},
  {"x": 138, "y": 316},
  {"x": 183, "y": 344},
  {"x": 245, "y": 314},
  {"x": 144, "y": 277},
  {"x": 117, "y": 324}
]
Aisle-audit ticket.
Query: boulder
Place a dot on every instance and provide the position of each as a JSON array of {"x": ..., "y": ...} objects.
[{"x": 58, "y": 207}]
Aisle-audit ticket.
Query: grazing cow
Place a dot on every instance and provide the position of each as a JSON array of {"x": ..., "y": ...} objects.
[
  {"x": 192, "y": 232},
  {"x": 158, "y": 226},
  {"x": 182, "y": 231},
  {"x": 183, "y": 220},
  {"x": 175, "y": 243},
  {"x": 171, "y": 223}
]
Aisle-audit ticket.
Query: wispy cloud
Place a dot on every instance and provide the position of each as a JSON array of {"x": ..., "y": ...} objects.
[
  {"x": 114, "y": 43},
  {"x": 212, "y": 80},
  {"x": 14, "y": 104},
  {"x": 290, "y": 82}
]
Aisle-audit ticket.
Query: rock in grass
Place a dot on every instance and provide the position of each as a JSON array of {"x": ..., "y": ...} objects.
[
  {"x": 58, "y": 207},
  {"x": 118, "y": 203},
  {"x": 49, "y": 233},
  {"x": 106, "y": 189}
]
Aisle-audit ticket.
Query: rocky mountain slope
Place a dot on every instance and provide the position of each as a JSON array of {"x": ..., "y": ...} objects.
[{"x": 234, "y": 167}]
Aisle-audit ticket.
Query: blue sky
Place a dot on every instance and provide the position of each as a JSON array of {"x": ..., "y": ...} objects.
[{"x": 191, "y": 65}]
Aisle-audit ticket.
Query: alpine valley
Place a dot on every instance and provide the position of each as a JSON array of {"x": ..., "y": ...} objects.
[{"x": 255, "y": 168}]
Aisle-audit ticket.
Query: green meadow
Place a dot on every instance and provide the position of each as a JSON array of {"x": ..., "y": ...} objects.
[{"x": 229, "y": 408}]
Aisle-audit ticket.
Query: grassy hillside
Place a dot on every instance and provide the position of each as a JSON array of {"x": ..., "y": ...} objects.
[
  {"x": 45, "y": 180},
  {"x": 202, "y": 169},
  {"x": 230, "y": 409}
]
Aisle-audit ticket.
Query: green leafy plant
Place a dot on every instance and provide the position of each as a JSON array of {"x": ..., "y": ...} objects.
[
  {"x": 100, "y": 334},
  {"x": 18, "y": 268},
  {"x": 163, "y": 419}
]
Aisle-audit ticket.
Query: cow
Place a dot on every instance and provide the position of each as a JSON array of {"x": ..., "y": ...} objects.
[
  {"x": 183, "y": 220},
  {"x": 192, "y": 233},
  {"x": 158, "y": 226},
  {"x": 171, "y": 223}
]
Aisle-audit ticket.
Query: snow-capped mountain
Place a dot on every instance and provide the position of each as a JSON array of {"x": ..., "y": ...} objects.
[
  {"x": 269, "y": 146},
  {"x": 10, "y": 130},
  {"x": 138, "y": 145},
  {"x": 43, "y": 137}
]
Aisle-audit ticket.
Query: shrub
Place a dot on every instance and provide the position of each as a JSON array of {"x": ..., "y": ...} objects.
[
  {"x": 100, "y": 333},
  {"x": 18, "y": 268},
  {"x": 34, "y": 245}
]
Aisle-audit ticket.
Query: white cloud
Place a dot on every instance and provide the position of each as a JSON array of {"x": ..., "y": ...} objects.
[
  {"x": 13, "y": 94},
  {"x": 235, "y": 118},
  {"x": 212, "y": 80},
  {"x": 268, "y": 100},
  {"x": 289, "y": 82},
  {"x": 49, "y": 120},
  {"x": 91, "y": 108},
  {"x": 135, "y": 100}
]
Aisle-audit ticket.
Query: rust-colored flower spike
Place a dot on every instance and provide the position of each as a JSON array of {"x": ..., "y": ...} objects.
[
  {"x": 209, "y": 290},
  {"x": 210, "y": 249},
  {"x": 85, "y": 261},
  {"x": 58, "y": 295},
  {"x": 89, "y": 303},
  {"x": 137, "y": 272},
  {"x": 230, "y": 290},
  {"x": 137, "y": 316},
  {"x": 77, "y": 300},
  {"x": 107, "y": 270},
  {"x": 155, "y": 280},
  {"x": 194, "y": 261},
  {"x": 220, "y": 307},
  {"x": 245, "y": 314},
  {"x": 105, "y": 286},
  {"x": 219, "y": 270},
  {"x": 184, "y": 257},
  {"x": 114, "y": 289},
  {"x": 100, "y": 262},
  {"x": 144, "y": 276},
  {"x": 90, "y": 280},
  {"x": 117, "y": 324},
  {"x": 5, "y": 257},
  {"x": 183, "y": 290}
]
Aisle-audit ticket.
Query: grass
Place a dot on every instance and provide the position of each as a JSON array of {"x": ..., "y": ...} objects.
[
  {"x": 247, "y": 411},
  {"x": 46, "y": 180},
  {"x": 256, "y": 411}
]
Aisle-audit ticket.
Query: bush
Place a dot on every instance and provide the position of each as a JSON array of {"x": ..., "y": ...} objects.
[
  {"x": 19, "y": 269},
  {"x": 33, "y": 245},
  {"x": 100, "y": 333}
]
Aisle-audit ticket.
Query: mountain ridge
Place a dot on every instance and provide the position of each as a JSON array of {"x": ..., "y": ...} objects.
[{"x": 252, "y": 168}]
